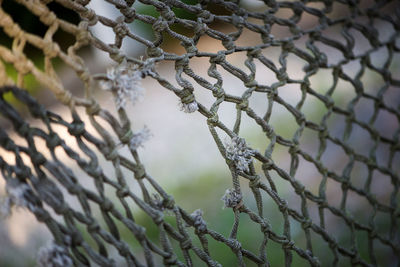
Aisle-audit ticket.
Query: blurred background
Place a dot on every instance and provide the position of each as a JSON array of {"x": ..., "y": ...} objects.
[{"x": 181, "y": 154}]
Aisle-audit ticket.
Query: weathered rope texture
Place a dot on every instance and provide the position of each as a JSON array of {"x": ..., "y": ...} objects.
[{"x": 328, "y": 70}]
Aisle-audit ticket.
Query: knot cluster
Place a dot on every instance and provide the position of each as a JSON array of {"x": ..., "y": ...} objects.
[
  {"x": 239, "y": 153},
  {"x": 124, "y": 80},
  {"x": 54, "y": 255}
]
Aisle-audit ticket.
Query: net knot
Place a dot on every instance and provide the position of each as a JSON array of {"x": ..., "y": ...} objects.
[
  {"x": 65, "y": 97},
  {"x": 345, "y": 184},
  {"x": 288, "y": 46},
  {"x": 120, "y": 28},
  {"x": 106, "y": 205},
  {"x": 299, "y": 188},
  {"x": 218, "y": 91},
  {"x": 182, "y": 63},
  {"x": 76, "y": 128},
  {"x": 6, "y": 142},
  {"x": 217, "y": 58},
  {"x": 169, "y": 202},
  {"x": 186, "y": 96},
  {"x": 199, "y": 223},
  {"x": 232, "y": 199},
  {"x": 83, "y": 34},
  {"x": 94, "y": 171},
  {"x": 306, "y": 224},
  {"x": 22, "y": 65},
  {"x": 154, "y": 51},
  {"x": 112, "y": 154},
  {"x": 255, "y": 182},
  {"x": 42, "y": 216},
  {"x": 207, "y": 16},
  {"x": 83, "y": 2},
  {"x": 76, "y": 237},
  {"x": 254, "y": 52},
  {"x": 48, "y": 18},
  {"x": 189, "y": 47},
  {"x": 250, "y": 83},
  {"x": 126, "y": 137},
  {"x": 200, "y": 28},
  {"x": 115, "y": 54},
  {"x": 23, "y": 129},
  {"x": 90, "y": 15},
  {"x": 160, "y": 25},
  {"x": 37, "y": 158},
  {"x": 283, "y": 206},
  {"x": 129, "y": 14},
  {"x": 51, "y": 49},
  {"x": 93, "y": 226},
  {"x": 186, "y": 244},
  {"x": 22, "y": 172},
  {"x": 234, "y": 244},
  {"x": 282, "y": 75},
  {"x": 213, "y": 119},
  {"x": 243, "y": 104},
  {"x": 228, "y": 43},
  {"x": 288, "y": 244},
  {"x": 167, "y": 13},
  {"x": 51, "y": 194},
  {"x": 123, "y": 191},
  {"x": 237, "y": 20},
  {"x": 93, "y": 109},
  {"x": 265, "y": 226},
  {"x": 170, "y": 259},
  {"x": 139, "y": 172}
]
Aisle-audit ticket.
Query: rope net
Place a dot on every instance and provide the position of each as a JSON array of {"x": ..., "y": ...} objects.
[{"x": 317, "y": 79}]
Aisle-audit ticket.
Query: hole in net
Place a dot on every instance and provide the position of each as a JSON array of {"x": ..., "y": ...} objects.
[
  {"x": 372, "y": 82},
  {"x": 321, "y": 81},
  {"x": 283, "y": 121},
  {"x": 383, "y": 253},
  {"x": 336, "y": 125},
  {"x": 387, "y": 124},
  {"x": 308, "y": 21},
  {"x": 280, "y": 31},
  {"x": 207, "y": 44},
  {"x": 332, "y": 54},
  {"x": 313, "y": 109},
  {"x": 249, "y": 38},
  {"x": 379, "y": 57},
  {"x": 358, "y": 207},
  {"x": 359, "y": 174},
  {"x": 351, "y": 68},
  {"x": 360, "y": 141},
  {"x": 337, "y": 224},
  {"x": 308, "y": 175},
  {"x": 284, "y": 13},
  {"x": 309, "y": 142},
  {"x": 339, "y": 11},
  {"x": 295, "y": 67},
  {"x": 364, "y": 109},
  {"x": 281, "y": 157},
  {"x": 383, "y": 154},
  {"x": 382, "y": 224},
  {"x": 343, "y": 94},
  {"x": 381, "y": 187},
  {"x": 391, "y": 97},
  {"x": 361, "y": 43},
  {"x": 290, "y": 93},
  {"x": 238, "y": 59}
]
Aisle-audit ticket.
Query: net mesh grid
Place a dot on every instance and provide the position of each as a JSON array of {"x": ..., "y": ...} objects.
[{"x": 184, "y": 241}]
